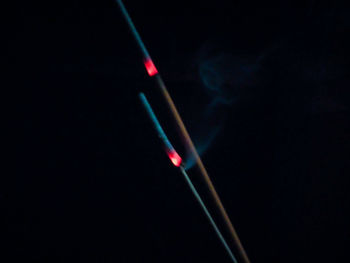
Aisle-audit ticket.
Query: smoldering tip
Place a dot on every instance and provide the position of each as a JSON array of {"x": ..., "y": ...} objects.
[
  {"x": 150, "y": 67},
  {"x": 175, "y": 158}
]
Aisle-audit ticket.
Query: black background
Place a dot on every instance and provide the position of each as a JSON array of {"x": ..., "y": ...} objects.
[{"x": 90, "y": 182}]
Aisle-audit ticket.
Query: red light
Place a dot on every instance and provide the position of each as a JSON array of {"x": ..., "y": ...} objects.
[
  {"x": 175, "y": 158},
  {"x": 150, "y": 67}
]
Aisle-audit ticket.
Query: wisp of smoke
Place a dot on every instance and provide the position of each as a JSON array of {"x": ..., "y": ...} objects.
[{"x": 224, "y": 79}]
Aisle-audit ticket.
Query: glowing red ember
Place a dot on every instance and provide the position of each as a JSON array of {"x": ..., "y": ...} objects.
[
  {"x": 175, "y": 158},
  {"x": 150, "y": 67}
]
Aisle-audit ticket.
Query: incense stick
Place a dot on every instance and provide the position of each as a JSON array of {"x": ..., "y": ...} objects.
[
  {"x": 211, "y": 220},
  {"x": 170, "y": 150},
  {"x": 152, "y": 71}
]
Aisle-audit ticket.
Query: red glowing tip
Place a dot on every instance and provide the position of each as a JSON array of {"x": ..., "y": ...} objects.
[
  {"x": 150, "y": 67},
  {"x": 175, "y": 158}
]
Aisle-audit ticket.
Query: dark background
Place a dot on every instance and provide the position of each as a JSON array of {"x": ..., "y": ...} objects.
[{"x": 90, "y": 182}]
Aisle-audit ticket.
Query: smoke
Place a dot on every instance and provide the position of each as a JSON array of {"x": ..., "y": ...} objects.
[
  {"x": 224, "y": 79},
  {"x": 300, "y": 74}
]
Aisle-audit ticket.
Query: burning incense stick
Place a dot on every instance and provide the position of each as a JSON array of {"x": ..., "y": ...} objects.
[
  {"x": 153, "y": 72},
  {"x": 169, "y": 149},
  {"x": 177, "y": 161}
]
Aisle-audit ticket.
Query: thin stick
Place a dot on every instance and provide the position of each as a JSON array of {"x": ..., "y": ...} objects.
[
  {"x": 177, "y": 162},
  {"x": 186, "y": 137},
  {"x": 202, "y": 169},
  {"x": 200, "y": 201},
  {"x": 168, "y": 147}
]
